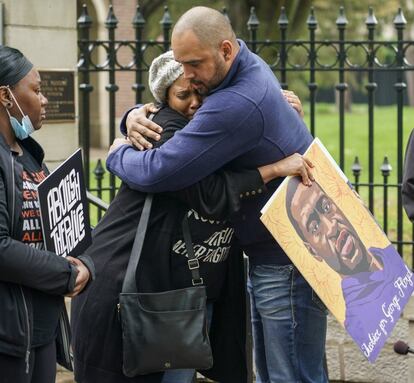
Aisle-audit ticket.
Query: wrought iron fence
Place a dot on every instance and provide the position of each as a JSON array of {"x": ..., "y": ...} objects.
[{"x": 281, "y": 62}]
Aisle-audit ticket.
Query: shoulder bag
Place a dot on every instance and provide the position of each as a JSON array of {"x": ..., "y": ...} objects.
[{"x": 163, "y": 330}]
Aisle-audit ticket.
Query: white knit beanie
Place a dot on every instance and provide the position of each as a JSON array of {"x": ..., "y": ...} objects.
[{"x": 164, "y": 70}]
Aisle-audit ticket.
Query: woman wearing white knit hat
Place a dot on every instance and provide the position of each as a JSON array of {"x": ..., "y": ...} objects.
[
  {"x": 98, "y": 357},
  {"x": 170, "y": 88}
]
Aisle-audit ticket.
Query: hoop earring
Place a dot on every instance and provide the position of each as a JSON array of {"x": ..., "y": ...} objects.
[{"x": 9, "y": 105}]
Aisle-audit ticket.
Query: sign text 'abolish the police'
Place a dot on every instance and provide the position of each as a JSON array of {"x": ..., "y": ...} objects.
[{"x": 66, "y": 213}]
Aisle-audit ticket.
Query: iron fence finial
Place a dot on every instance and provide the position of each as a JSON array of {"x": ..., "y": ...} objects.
[
  {"x": 99, "y": 170},
  {"x": 111, "y": 21},
  {"x": 356, "y": 167},
  {"x": 138, "y": 21},
  {"x": 399, "y": 20},
  {"x": 371, "y": 20},
  {"x": 341, "y": 21},
  {"x": 386, "y": 167},
  {"x": 166, "y": 20},
  {"x": 311, "y": 21},
  {"x": 84, "y": 20},
  {"x": 253, "y": 22},
  {"x": 283, "y": 20}
]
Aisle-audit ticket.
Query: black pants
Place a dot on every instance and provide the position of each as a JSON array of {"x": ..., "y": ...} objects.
[{"x": 42, "y": 366}]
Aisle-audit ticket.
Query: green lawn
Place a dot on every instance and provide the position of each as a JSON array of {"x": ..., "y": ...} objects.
[
  {"x": 356, "y": 135},
  {"x": 356, "y": 144}
]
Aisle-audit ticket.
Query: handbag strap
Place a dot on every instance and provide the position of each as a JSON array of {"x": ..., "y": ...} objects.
[
  {"x": 129, "y": 285},
  {"x": 192, "y": 262}
]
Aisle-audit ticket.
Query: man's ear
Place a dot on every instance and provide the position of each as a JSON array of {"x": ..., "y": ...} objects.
[
  {"x": 5, "y": 99},
  {"x": 227, "y": 49},
  {"x": 312, "y": 251}
]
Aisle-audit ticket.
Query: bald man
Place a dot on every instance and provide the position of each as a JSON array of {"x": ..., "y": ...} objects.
[{"x": 243, "y": 122}]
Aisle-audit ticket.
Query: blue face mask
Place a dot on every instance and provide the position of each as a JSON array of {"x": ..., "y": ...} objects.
[{"x": 22, "y": 129}]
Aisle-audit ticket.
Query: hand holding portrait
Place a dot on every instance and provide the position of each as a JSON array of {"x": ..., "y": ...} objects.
[{"x": 296, "y": 165}]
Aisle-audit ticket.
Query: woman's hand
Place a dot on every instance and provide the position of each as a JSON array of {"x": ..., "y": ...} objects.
[
  {"x": 294, "y": 165},
  {"x": 117, "y": 143},
  {"x": 139, "y": 127},
  {"x": 81, "y": 279},
  {"x": 294, "y": 100}
]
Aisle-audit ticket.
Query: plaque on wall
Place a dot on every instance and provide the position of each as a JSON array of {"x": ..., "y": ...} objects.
[{"x": 58, "y": 86}]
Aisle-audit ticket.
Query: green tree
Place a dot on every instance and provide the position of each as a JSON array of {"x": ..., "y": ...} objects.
[
  {"x": 239, "y": 12},
  {"x": 356, "y": 12},
  {"x": 297, "y": 11}
]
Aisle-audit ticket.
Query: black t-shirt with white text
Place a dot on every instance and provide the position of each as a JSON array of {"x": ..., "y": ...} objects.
[{"x": 46, "y": 307}]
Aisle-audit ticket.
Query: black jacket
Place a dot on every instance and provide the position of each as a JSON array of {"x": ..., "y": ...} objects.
[
  {"x": 23, "y": 268},
  {"x": 95, "y": 323}
]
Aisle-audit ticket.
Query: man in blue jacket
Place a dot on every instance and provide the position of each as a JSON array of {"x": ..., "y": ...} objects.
[{"x": 244, "y": 122}]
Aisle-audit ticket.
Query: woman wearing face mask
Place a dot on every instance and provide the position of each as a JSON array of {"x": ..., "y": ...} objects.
[
  {"x": 33, "y": 281},
  {"x": 163, "y": 263}
]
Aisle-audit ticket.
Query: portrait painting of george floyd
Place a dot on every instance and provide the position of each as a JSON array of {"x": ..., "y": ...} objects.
[{"x": 339, "y": 248}]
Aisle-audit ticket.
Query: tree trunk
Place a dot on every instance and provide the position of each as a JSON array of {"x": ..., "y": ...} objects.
[
  {"x": 347, "y": 100},
  {"x": 148, "y": 7}
]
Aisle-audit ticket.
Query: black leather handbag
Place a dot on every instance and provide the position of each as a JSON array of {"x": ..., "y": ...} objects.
[{"x": 165, "y": 330}]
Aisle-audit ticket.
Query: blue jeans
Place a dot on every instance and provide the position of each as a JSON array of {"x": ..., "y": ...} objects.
[
  {"x": 289, "y": 326},
  {"x": 185, "y": 375}
]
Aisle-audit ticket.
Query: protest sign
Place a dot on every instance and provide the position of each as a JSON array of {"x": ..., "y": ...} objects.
[
  {"x": 340, "y": 249},
  {"x": 64, "y": 209}
]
